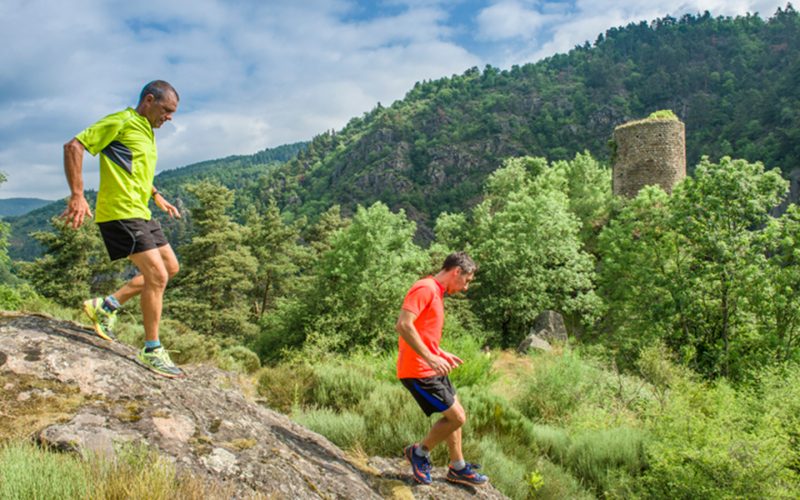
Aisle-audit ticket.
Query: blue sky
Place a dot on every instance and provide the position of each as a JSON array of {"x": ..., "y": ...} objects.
[{"x": 257, "y": 74}]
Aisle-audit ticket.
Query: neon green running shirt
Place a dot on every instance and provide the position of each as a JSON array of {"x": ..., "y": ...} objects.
[{"x": 127, "y": 164}]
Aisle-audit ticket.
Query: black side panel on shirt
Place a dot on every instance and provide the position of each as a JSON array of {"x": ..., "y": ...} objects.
[{"x": 121, "y": 155}]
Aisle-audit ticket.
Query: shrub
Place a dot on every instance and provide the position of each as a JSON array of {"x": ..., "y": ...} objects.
[
  {"x": 559, "y": 385},
  {"x": 345, "y": 429},
  {"x": 505, "y": 472},
  {"x": 710, "y": 441},
  {"x": 239, "y": 359},
  {"x": 340, "y": 387},
  {"x": 285, "y": 386},
  {"x": 556, "y": 483},
  {"x": 477, "y": 365},
  {"x": 393, "y": 420},
  {"x": 600, "y": 457}
]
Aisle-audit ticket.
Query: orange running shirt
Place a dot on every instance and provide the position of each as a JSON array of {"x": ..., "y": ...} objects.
[{"x": 425, "y": 299}]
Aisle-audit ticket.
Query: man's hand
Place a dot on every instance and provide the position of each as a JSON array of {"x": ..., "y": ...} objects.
[
  {"x": 440, "y": 365},
  {"x": 166, "y": 206},
  {"x": 452, "y": 358},
  {"x": 77, "y": 210}
]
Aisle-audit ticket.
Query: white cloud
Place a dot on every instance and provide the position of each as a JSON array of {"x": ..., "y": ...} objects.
[
  {"x": 510, "y": 19},
  {"x": 254, "y": 74}
]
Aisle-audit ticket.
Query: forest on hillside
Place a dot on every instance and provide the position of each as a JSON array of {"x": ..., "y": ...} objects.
[{"x": 680, "y": 376}]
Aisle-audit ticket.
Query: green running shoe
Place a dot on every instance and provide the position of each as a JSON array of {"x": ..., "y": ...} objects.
[
  {"x": 158, "y": 360},
  {"x": 102, "y": 320}
]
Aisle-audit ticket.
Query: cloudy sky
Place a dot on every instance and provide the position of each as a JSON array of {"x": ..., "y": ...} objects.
[{"x": 254, "y": 74}]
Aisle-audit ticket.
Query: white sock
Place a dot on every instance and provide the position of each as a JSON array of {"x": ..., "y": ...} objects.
[
  {"x": 458, "y": 464},
  {"x": 418, "y": 451}
]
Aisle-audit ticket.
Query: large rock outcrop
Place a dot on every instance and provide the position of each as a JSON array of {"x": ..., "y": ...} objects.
[{"x": 98, "y": 395}]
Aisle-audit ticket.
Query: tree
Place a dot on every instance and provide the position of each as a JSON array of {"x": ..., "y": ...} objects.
[
  {"x": 355, "y": 291},
  {"x": 275, "y": 246},
  {"x": 211, "y": 293},
  {"x": 526, "y": 242},
  {"x": 75, "y": 265},
  {"x": 692, "y": 268}
]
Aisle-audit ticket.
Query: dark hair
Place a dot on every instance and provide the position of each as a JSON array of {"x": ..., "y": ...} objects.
[
  {"x": 460, "y": 259},
  {"x": 158, "y": 88}
]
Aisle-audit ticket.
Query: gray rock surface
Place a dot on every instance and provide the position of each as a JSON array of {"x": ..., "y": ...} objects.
[
  {"x": 202, "y": 423},
  {"x": 533, "y": 341}
]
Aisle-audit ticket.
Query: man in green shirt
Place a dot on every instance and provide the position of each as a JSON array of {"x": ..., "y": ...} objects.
[{"x": 127, "y": 147}]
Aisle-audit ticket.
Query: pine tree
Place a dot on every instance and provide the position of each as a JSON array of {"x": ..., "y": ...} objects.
[{"x": 211, "y": 293}]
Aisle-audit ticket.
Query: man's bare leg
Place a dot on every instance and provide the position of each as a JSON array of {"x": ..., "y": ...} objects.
[
  {"x": 154, "y": 276},
  {"x": 135, "y": 285},
  {"x": 452, "y": 420}
]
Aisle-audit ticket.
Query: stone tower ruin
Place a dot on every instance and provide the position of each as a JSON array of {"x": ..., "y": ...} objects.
[{"x": 649, "y": 151}]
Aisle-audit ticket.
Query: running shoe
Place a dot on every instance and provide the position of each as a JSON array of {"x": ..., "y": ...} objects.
[
  {"x": 421, "y": 466},
  {"x": 158, "y": 360},
  {"x": 467, "y": 475},
  {"x": 102, "y": 320}
]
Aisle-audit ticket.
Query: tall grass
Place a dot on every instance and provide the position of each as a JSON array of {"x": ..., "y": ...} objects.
[{"x": 137, "y": 472}]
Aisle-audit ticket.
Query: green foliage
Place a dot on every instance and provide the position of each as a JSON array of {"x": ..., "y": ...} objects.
[
  {"x": 691, "y": 268},
  {"x": 526, "y": 242},
  {"x": 709, "y": 440},
  {"x": 392, "y": 419},
  {"x": 211, "y": 292},
  {"x": 27, "y": 472},
  {"x": 476, "y": 369},
  {"x": 285, "y": 386},
  {"x": 75, "y": 265},
  {"x": 345, "y": 429},
  {"x": 354, "y": 295},
  {"x": 239, "y": 359},
  {"x": 663, "y": 114}
]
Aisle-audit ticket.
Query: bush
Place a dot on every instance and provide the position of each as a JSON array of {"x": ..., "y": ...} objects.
[
  {"x": 340, "y": 386},
  {"x": 600, "y": 457},
  {"x": 393, "y": 420},
  {"x": 285, "y": 386},
  {"x": 477, "y": 367},
  {"x": 559, "y": 385},
  {"x": 505, "y": 472},
  {"x": 345, "y": 429},
  {"x": 710, "y": 441},
  {"x": 556, "y": 483},
  {"x": 239, "y": 359}
]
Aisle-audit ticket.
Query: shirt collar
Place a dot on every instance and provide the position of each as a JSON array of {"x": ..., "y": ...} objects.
[{"x": 441, "y": 287}]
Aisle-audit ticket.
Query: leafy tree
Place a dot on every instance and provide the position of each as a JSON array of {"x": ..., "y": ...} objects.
[
  {"x": 691, "y": 267},
  {"x": 527, "y": 244},
  {"x": 355, "y": 291},
  {"x": 211, "y": 292}
]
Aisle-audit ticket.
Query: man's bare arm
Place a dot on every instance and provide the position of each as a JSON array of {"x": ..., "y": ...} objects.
[{"x": 77, "y": 206}]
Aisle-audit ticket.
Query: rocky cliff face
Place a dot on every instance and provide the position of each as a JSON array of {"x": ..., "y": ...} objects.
[{"x": 91, "y": 395}]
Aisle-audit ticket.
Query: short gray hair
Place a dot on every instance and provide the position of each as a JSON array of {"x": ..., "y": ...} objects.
[
  {"x": 158, "y": 88},
  {"x": 462, "y": 260}
]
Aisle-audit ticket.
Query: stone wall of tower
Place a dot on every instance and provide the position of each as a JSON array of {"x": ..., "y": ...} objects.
[{"x": 648, "y": 152}]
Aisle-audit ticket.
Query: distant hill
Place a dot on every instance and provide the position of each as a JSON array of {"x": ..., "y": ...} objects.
[
  {"x": 735, "y": 82},
  {"x": 237, "y": 172},
  {"x": 11, "y": 207}
]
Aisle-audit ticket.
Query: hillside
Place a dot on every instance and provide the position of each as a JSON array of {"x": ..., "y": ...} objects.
[
  {"x": 733, "y": 81},
  {"x": 11, "y": 207},
  {"x": 238, "y": 172}
]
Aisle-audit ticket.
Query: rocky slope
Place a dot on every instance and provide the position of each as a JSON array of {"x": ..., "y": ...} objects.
[{"x": 71, "y": 390}]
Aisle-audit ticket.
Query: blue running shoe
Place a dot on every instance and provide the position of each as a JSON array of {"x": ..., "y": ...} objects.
[
  {"x": 467, "y": 475},
  {"x": 421, "y": 466}
]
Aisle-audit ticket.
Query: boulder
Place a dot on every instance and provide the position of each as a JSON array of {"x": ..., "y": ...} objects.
[
  {"x": 95, "y": 395},
  {"x": 549, "y": 325},
  {"x": 533, "y": 341}
]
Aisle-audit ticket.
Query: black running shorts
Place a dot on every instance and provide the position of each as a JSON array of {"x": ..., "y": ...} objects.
[
  {"x": 433, "y": 394},
  {"x": 126, "y": 237}
]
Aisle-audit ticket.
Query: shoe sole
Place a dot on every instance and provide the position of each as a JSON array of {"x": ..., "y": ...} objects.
[
  {"x": 95, "y": 326},
  {"x": 406, "y": 453},
  {"x": 466, "y": 481}
]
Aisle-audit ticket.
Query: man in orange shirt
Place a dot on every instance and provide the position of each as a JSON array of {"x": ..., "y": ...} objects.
[{"x": 422, "y": 367}]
